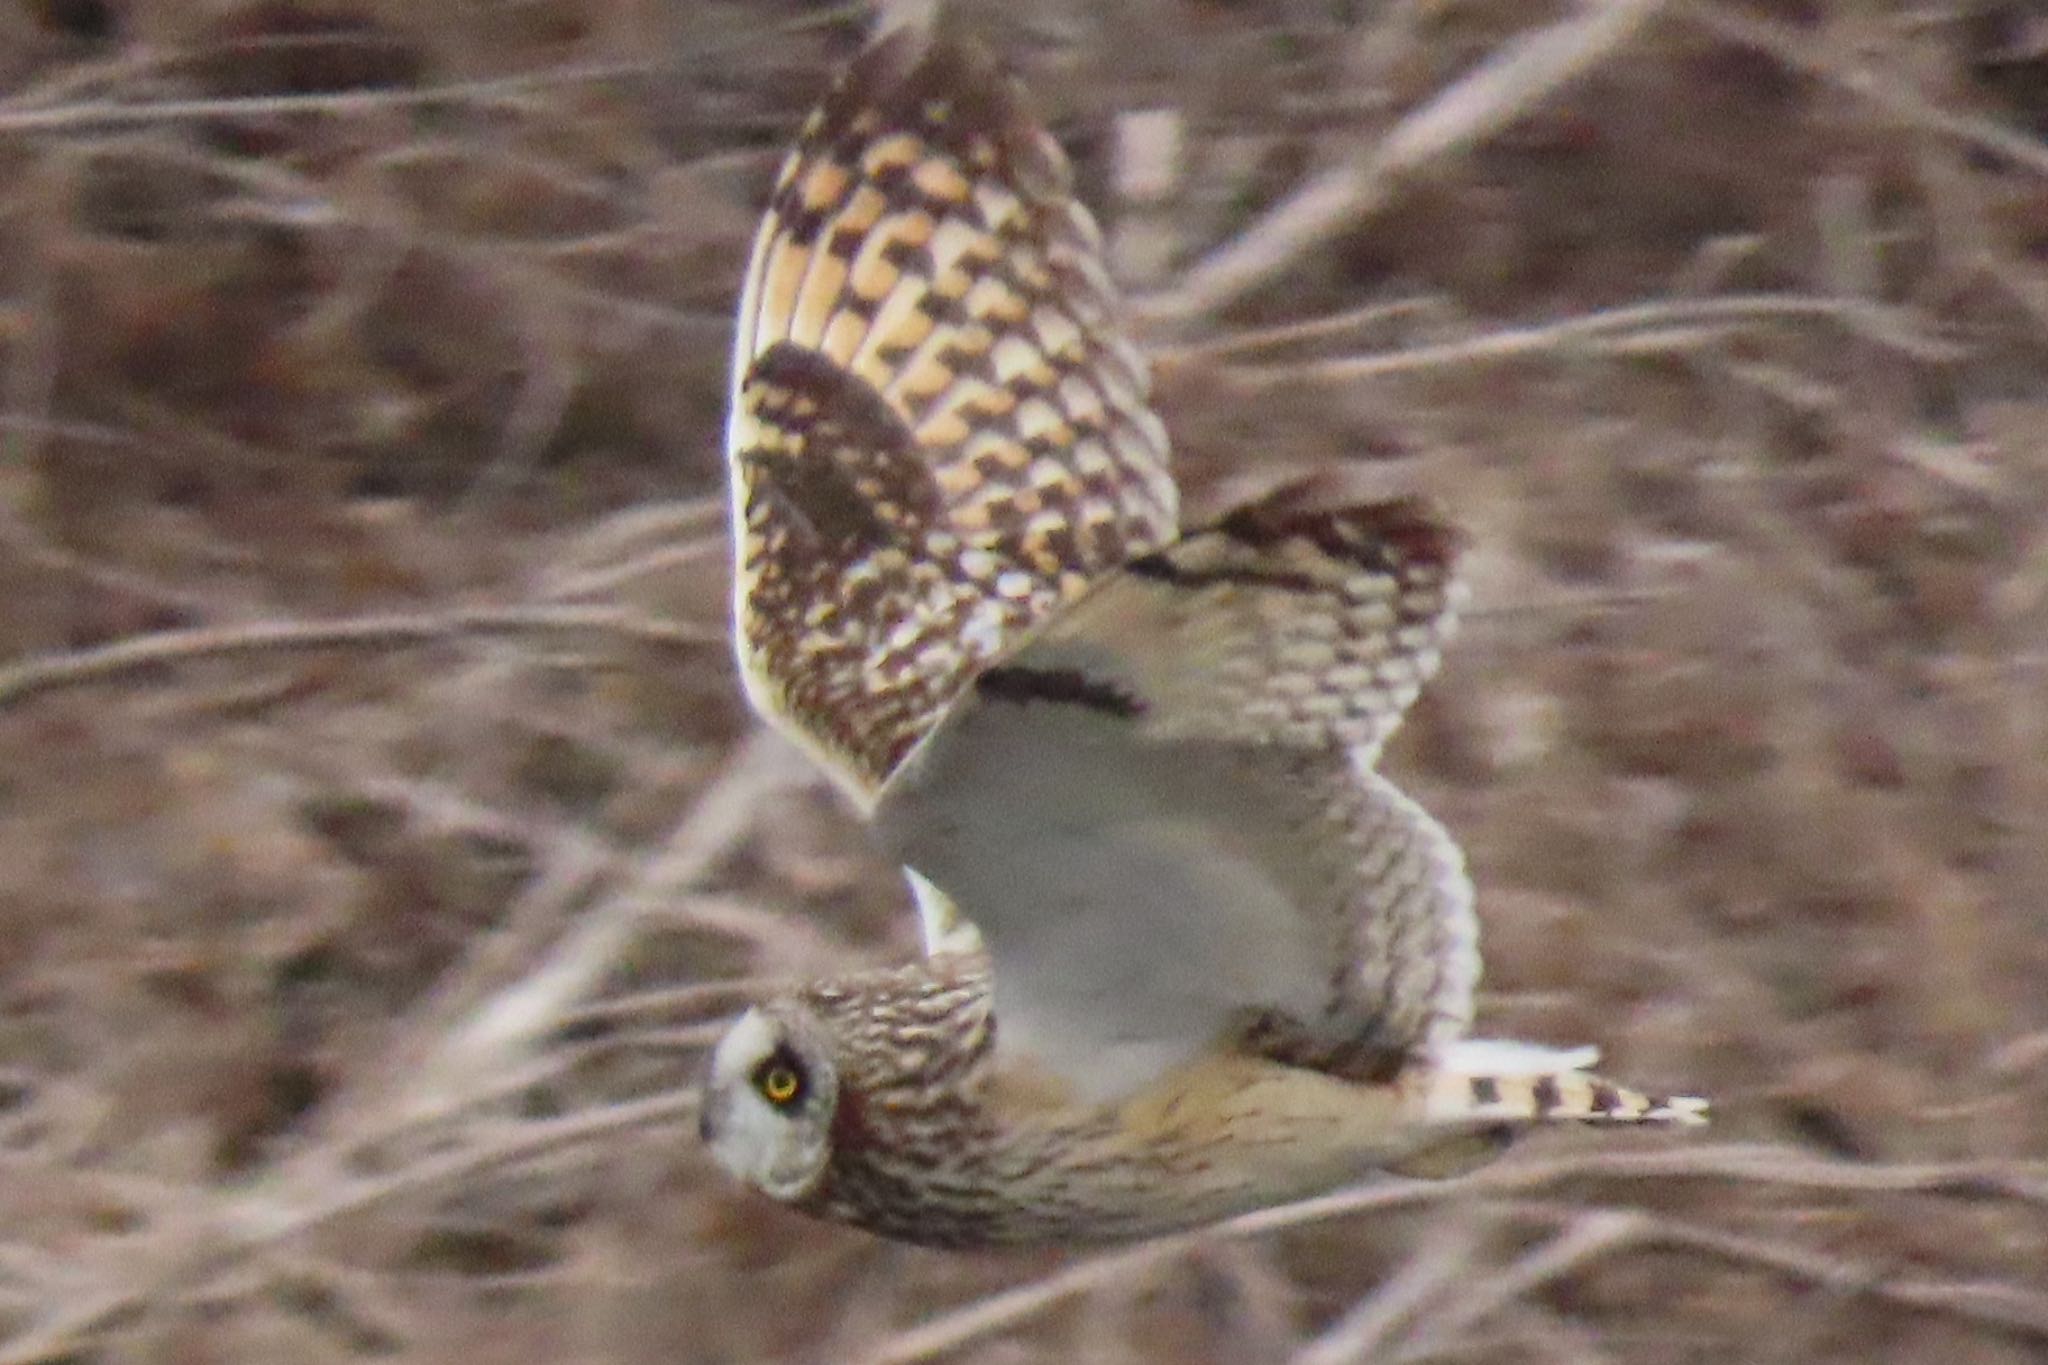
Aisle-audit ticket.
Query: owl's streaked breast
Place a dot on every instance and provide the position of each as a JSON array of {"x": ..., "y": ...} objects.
[{"x": 934, "y": 1144}]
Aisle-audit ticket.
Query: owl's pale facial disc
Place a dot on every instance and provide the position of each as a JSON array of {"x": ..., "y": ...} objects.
[{"x": 767, "y": 1105}]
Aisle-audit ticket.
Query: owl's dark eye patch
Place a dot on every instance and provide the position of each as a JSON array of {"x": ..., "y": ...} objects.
[{"x": 781, "y": 1080}]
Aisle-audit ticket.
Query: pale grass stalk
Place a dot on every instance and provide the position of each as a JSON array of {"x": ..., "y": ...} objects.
[
  {"x": 611, "y": 578},
  {"x": 1888, "y": 91},
  {"x": 1736, "y": 1164},
  {"x": 85, "y": 115},
  {"x": 120, "y": 660},
  {"x": 448, "y": 1057},
  {"x": 1443, "y": 1258},
  {"x": 194, "y": 1255},
  {"x": 1166, "y": 359},
  {"x": 548, "y": 381},
  {"x": 1590, "y": 1235},
  {"x": 514, "y": 1019},
  {"x": 49, "y": 109},
  {"x": 1607, "y": 329},
  {"x": 1500, "y": 91},
  {"x": 716, "y": 998},
  {"x": 643, "y": 528}
]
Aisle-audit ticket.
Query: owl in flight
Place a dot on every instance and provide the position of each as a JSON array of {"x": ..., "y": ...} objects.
[{"x": 1187, "y": 953}]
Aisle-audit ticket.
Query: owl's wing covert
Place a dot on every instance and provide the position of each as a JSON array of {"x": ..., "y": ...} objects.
[
  {"x": 938, "y": 434},
  {"x": 1159, "y": 810}
]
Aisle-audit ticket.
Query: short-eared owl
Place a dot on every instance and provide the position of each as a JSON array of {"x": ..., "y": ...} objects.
[{"x": 1187, "y": 952}]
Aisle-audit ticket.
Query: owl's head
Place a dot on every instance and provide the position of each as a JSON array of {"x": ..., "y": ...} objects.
[{"x": 768, "y": 1099}]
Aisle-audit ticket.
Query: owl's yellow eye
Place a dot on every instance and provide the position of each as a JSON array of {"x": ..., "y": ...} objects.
[{"x": 780, "y": 1080}]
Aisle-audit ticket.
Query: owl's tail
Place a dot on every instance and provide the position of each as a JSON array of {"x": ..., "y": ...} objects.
[
  {"x": 1481, "y": 1092},
  {"x": 1485, "y": 1081}
]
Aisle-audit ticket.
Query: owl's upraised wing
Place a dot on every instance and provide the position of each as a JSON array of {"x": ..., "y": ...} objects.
[
  {"x": 1160, "y": 811},
  {"x": 938, "y": 434}
]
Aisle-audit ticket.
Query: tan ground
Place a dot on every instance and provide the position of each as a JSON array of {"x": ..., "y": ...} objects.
[{"x": 380, "y": 834}]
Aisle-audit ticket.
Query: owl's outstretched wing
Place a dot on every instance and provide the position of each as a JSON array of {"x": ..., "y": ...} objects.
[
  {"x": 938, "y": 434},
  {"x": 1160, "y": 812}
]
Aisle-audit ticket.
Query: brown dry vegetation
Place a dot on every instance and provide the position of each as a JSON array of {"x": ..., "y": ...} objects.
[{"x": 381, "y": 835}]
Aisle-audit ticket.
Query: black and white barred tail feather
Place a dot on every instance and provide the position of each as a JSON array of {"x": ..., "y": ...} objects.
[{"x": 1485, "y": 1081}]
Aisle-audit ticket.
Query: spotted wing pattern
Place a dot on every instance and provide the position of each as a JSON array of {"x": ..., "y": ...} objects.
[
  {"x": 1289, "y": 623},
  {"x": 938, "y": 432},
  {"x": 1161, "y": 815}
]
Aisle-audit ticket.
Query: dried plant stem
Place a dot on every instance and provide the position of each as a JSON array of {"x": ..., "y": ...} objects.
[
  {"x": 1666, "y": 324},
  {"x": 1735, "y": 1164},
  {"x": 510, "y": 1022},
  {"x": 221, "y": 1239},
  {"x": 1444, "y": 1257},
  {"x": 1884, "y": 90},
  {"x": 121, "y": 660},
  {"x": 1503, "y": 89}
]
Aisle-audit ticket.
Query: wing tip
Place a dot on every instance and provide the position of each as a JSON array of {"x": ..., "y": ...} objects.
[{"x": 947, "y": 89}]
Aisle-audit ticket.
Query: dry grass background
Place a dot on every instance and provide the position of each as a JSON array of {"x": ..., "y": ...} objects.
[{"x": 381, "y": 836}]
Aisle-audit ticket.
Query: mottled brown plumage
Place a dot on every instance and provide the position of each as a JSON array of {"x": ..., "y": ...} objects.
[
  {"x": 930, "y": 1142},
  {"x": 1216, "y": 960},
  {"x": 938, "y": 431}
]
